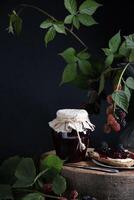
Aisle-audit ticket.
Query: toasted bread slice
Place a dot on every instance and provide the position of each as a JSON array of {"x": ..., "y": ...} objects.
[{"x": 117, "y": 162}]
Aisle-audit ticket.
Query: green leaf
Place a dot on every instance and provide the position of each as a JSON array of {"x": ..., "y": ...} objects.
[
  {"x": 123, "y": 50},
  {"x": 83, "y": 55},
  {"x": 131, "y": 56},
  {"x": 33, "y": 196},
  {"x": 59, "y": 27},
  {"x": 50, "y": 35},
  {"x": 102, "y": 84},
  {"x": 69, "y": 55},
  {"x": 71, "y": 6},
  {"x": 107, "y": 51},
  {"x": 8, "y": 168},
  {"x": 46, "y": 24},
  {"x": 127, "y": 92},
  {"x": 76, "y": 22},
  {"x": 130, "y": 41},
  {"x": 89, "y": 7},
  {"x": 121, "y": 99},
  {"x": 109, "y": 60},
  {"x": 5, "y": 192},
  {"x": 86, "y": 20},
  {"x": 130, "y": 83},
  {"x": 70, "y": 73},
  {"x": 81, "y": 81},
  {"x": 52, "y": 161},
  {"x": 59, "y": 185},
  {"x": 114, "y": 42},
  {"x": 18, "y": 25},
  {"x": 68, "y": 19},
  {"x": 85, "y": 66},
  {"x": 15, "y": 23},
  {"x": 25, "y": 173}
]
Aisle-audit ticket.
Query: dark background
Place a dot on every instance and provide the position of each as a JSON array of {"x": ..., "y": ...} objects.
[{"x": 30, "y": 74}]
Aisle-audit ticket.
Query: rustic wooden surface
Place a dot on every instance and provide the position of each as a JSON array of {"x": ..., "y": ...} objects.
[{"x": 102, "y": 185}]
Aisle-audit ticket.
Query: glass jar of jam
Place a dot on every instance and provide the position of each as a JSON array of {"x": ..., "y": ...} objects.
[{"x": 71, "y": 129}]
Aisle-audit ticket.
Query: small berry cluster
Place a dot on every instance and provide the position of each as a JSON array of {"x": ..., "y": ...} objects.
[
  {"x": 113, "y": 123},
  {"x": 115, "y": 118},
  {"x": 47, "y": 189},
  {"x": 103, "y": 148},
  {"x": 113, "y": 152},
  {"x": 74, "y": 195}
]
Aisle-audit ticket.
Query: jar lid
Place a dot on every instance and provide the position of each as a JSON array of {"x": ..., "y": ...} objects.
[{"x": 76, "y": 114}]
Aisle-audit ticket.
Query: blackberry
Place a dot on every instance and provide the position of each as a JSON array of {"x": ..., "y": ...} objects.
[
  {"x": 123, "y": 123},
  {"x": 117, "y": 155},
  {"x": 120, "y": 113},
  {"x": 87, "y": 197},
  {"x": 104, "y": 147}
]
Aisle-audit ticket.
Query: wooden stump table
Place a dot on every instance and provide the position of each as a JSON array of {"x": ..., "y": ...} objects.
[{"x": 102, "y": 185}]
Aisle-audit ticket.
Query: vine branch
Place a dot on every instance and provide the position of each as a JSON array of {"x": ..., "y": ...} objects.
[
  {"x": 31, "y": 191},
  {"x": 54, "y": 19}
]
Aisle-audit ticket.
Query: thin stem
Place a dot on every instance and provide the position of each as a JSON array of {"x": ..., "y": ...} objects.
[
  {"x": 39, "y": 10},
  {"x": 119, "y": 82},
  {"x": 50, "y": 196},
  {"x": 77, "y": 38},
  {"x": 31, "y": 191},
  {"x": 54, "y": 19},
  {"x": 72, "y": 27},
  {"x": 40, "y": 174},
  {"x": 116, "y": 68}
]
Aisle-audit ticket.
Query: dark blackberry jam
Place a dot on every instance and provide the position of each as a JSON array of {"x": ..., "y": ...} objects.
[{"x": 67, "y": 146}]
